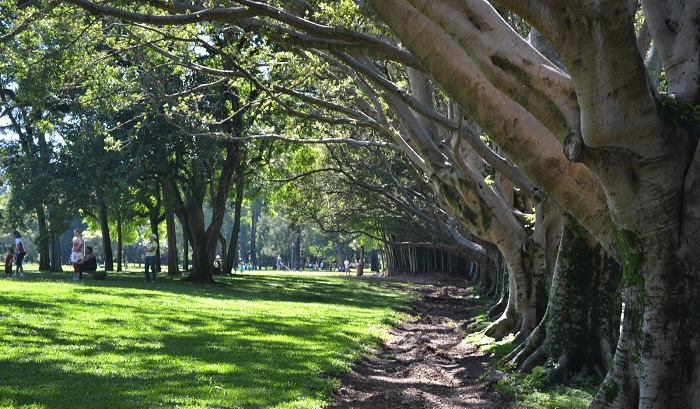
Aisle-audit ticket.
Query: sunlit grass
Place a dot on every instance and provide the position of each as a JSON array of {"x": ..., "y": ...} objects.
[{"x": 251, "y": 341}]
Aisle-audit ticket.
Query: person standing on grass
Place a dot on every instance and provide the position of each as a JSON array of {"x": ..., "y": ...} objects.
[
  {"x": 8, "y": 262},
  {"x": 76, "y": 255},
  {"x": 150, "y": 260},
  {"x": 346, "y": 264},
  {"x": 21, "y": 252}
]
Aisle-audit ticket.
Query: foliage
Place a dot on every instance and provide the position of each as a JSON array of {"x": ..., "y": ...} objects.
[{"x": 532, "y": 391}]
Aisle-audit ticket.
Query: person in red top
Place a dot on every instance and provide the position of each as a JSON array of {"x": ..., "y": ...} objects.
[
  {"x": 21, "y": 252},
  {"x": 8, "y": 262}
]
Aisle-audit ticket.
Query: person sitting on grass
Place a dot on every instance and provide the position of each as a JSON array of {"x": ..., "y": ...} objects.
[{"x": 89, "y": 263}]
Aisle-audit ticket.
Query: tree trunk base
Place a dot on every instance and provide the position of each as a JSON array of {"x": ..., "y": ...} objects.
[{"x": 192, "y": 278}]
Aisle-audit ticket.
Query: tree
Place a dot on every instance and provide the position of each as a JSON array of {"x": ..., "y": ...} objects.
[{"x": 627, "y": 172}]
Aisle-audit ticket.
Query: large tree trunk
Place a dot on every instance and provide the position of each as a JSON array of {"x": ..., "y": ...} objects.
[
  {"x": 580, "y": 328},
  {"x": 202, "y": 258},
  {"x": 203, "y": 241},
  {"x": 657, "y": 362},
  {"x": 106, "y": 240},
  {"x": 55, "y": 252}
]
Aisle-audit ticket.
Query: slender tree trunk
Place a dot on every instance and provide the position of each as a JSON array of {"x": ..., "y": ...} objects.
[
  {"x": 154, "y": 219},
  {"x": 361, "y": 261},
  {"x": 232, "y": 253},
  {"x": 254, "y": 216},
  {"x": 244, "y": 252},
  {"x": 297, "y": 250},
  {"x": 43, "y": 240},
  {"x": 173, "y": 268},
  {"x": 106, "y": 239},
  {"x": 120, "y": 246},
  {"x": 185, "y": 249}
]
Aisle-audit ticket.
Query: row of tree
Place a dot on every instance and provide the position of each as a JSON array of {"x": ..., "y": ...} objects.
[
  {"x": 123, "y": 125},
  {"x": 584, "y": 111}
]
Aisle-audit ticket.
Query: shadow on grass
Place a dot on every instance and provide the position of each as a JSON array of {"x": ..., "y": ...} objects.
[
  {"x": 287, "y": 288},
  {"x": 252, "y": 342}
]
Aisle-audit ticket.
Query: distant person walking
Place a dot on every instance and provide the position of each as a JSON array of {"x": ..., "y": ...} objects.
[
  {"x": 150, "y": 260},
  {"x": 76, "y": 255},
  {"x": 21, "y": 252},
  {"x": 346, "y": 264},
  {"x": 279, "y": 262}
]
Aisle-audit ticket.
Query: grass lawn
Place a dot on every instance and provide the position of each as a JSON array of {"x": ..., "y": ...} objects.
[{"x": 257, "y": 340}]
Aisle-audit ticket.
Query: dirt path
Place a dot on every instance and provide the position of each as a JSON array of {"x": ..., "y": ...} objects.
[{"x": 424, "y": 365}]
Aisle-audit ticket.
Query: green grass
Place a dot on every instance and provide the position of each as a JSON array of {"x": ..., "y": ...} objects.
[
  {"x": 532, "y": 391},
  {"x": 256, "y": 340}
]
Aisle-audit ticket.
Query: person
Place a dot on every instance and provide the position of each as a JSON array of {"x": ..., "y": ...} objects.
[
  {"x": 279, "y": 262},
  {"x": 21, "y": 252},
  {"x": 76, "y": 254},
  {"x": 217, "y": 264},
  {"x": 150, "y": 260},
  {"x": 89, "y": 263},
  {"x": 346, "y": 264},
  {"x": 8, "y": 262}
]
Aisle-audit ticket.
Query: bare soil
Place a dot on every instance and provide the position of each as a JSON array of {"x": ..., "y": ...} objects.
[{"x": 425, "y": 364}]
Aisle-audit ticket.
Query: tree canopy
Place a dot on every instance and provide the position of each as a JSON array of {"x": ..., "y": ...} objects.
[{"x": 582, "y": 111}]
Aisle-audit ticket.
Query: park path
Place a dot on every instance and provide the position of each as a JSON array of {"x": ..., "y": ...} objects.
[{"x": 425, "y": 364}]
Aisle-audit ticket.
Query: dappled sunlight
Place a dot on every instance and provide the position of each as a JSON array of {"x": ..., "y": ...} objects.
[{"x": 266, "y": 340}]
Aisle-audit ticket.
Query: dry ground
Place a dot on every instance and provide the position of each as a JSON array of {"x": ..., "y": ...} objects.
[{"x": 425, "y": 364}]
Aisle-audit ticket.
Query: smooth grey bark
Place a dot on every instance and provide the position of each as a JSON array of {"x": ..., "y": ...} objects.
[
  {"x": 635, "y": 144},
  {"x": 173, "y": 267},
  {"x": 457, "y": 181},
  {"x": 580, "y": 328}
]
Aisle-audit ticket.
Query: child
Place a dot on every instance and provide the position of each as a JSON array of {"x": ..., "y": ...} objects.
[{"x": 8, "y": 262}]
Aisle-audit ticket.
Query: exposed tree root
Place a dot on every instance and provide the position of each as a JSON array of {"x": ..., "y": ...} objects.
[
  {"x": 529, "y": 348},
  {"x": 503, "y": 326},
  {"x": 497, "y": 309}
]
